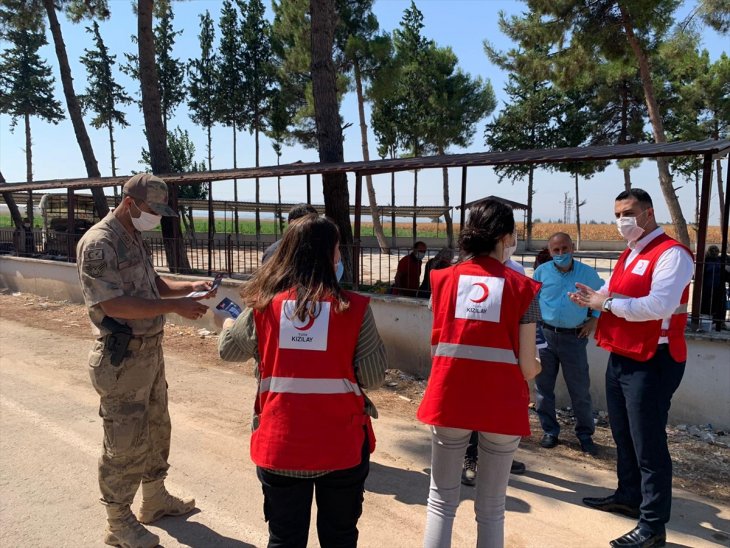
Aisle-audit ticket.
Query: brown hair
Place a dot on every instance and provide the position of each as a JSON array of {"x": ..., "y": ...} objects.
[{"x": 303, "y": 262}]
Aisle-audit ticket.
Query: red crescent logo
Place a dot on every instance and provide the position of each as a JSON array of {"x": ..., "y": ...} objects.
[
  {"x": 484, "y": 288},
  {"x": 307, "y": 326}
]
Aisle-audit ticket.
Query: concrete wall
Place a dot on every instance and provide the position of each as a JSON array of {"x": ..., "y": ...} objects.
[{"x": 405, "y": 324}]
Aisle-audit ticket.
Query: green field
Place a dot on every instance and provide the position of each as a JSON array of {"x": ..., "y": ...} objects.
[{"x": 248, "y": 226}]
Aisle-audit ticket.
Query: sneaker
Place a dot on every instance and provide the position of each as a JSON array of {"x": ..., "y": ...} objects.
[
  {"x": 469, "y": 473},
  {"x": 548, "y": 441},
  {"x": 588, "y": 447},
  {"x": 518, "y": 468}
]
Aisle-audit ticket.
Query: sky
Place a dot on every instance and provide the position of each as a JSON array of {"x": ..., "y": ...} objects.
[{"x": 461, "y": 24}]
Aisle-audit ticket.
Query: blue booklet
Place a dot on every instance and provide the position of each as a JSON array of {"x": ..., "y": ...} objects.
[{"x": 228, "y": 306}]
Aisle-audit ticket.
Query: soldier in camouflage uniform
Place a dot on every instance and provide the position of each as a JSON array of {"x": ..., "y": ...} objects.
[{"x": 118, "y": 281}]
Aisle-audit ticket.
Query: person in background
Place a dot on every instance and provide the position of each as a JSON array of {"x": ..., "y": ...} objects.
[
  {"x": 442, "y": 259},
  {"x": 296, "y": 212},
  {"x": 714, "y": 294},
  {"x": 642, "y": 323},
  {"x": 566, "y": 327},
  {"x": 127, "y": 301},
  {"x": 316, "y": 347},
  {"x": 471, "y": 458},
  {"x": 408, "y": 273},
  {"x": 483, "y": 340},
  {"x": 542, "y": 257}
]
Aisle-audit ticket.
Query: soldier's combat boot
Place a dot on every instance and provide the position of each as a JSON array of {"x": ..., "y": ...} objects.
[
  {"x": 157, "y": 502},
  {"x": 125, "y": 531}
]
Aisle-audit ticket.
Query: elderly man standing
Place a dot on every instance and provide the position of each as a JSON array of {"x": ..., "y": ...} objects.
[
  {"x": 566, "y": 327},
  {"x": 127, "y": 302}
]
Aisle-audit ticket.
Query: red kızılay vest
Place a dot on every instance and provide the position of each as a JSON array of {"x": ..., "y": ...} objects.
[
  {"x": 310, "y": 407},
  {"x": 638, "y": 340},
  {"x": 476, "y": 382}
]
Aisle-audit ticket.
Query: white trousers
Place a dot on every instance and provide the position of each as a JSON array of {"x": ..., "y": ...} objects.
[{"x": 496, "y": 452}]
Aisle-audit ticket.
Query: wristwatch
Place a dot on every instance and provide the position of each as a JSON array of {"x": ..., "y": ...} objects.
[{"x": 607, "y": 304}]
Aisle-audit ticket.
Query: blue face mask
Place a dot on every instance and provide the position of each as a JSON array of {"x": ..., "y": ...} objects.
[
  {"x": 563, "y": 261},
  {"x": 339, "y": 270}
]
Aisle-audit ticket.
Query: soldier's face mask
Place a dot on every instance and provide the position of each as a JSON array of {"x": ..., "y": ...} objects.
[{"x": 145, "y": 221}]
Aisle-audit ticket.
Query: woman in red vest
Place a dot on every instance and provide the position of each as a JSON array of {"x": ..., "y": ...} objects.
[
  {"x": 483, "y": 347},
  {"x": 316, "y": 347}
]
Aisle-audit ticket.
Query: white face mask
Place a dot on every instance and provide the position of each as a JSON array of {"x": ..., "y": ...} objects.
[
  {"x": 145, "y": 221},
  {"x": 628, "y": 228},
  {"x": 509, "y": 250},
  {"x": 419, "y": 255}
]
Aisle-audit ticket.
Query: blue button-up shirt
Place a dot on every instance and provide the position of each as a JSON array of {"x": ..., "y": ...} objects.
[{"x": 555, "y": 306}]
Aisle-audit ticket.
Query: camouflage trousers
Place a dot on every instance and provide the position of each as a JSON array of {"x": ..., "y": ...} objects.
[{"x": 136, "y": 420}]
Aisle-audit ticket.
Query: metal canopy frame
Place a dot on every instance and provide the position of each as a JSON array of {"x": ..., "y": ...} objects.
[{"x": 709, "y": 149}]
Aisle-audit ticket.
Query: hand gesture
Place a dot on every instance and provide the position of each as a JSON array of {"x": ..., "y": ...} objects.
[
  {"x": 587, "y": 297},
  {"x": 190, "y": 308}
]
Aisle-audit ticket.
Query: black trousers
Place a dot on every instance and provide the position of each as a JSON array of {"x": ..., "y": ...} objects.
[
  {"x": 339, "y": 496},
  {"x": 638, "y": 396}
]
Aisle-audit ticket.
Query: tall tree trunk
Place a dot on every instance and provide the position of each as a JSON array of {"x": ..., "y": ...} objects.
[
  {"x": 12, "y": 206},
  {"x": 718, "y": 170},
  {"x": 577, "y": 212},
  {"x": 530, "y": 180},
  {"x": 393, "y": 228},
  {"x": 27, "y": 245},
  {"x": 329, "y": 129},
  {"x": 258, "y": 185},
  {"x": 279, "y": 215},
  {"x": 177, "y": 258},
  {"x": 447, "y": 212},
  {"x": 74, "y": 109},
  {"x": 374, "y": 213},
  {"x": 210, "y": 150},
  {"x": 627, "y": 178},
  {"x": 414, "y": 228},
  {"x": 657, "y": 126},
  {"x": 110, "y": 128},
  {"x": 235, "y": 183}
]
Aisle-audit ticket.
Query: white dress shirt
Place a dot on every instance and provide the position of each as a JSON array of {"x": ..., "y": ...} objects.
[{"x": 672, "y": 273}]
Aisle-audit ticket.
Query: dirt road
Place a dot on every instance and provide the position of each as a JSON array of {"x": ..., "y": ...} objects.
[{"x": 50, "y": 436}]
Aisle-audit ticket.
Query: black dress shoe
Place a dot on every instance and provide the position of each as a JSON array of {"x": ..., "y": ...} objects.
[
  {"x": 588, "y": 447},
  {"x": 610, "y": 504},
  {"x": 639, "y": 539},
  {"x": 549, "y": 441},
  {"x": 517, "y": 467}
]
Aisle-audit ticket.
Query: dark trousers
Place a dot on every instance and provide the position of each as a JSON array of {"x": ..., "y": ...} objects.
[
  {"x": 567, "y": 350},
  {"x": 472, "y": 450},
  {"x": 638, "y": 396},
  {"x": 339, "y": 496}
]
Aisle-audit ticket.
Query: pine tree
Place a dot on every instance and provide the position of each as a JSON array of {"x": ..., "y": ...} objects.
[
  {"x": 259, "y": 74},
  {"x": 170, "y": 70},
  {"x": 457, "y": 102},
  {"x": 608, "y": 25},
  {"x": 26, "y": 84},
  {"x": 230, "y": 105},
  {"x": 364, "y": 51},
  {"x": 203, "y": 82},
  {"x": 103, "y": 93}
]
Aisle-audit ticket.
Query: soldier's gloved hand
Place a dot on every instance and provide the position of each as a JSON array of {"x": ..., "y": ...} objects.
[{"x": 190, "y": 308}]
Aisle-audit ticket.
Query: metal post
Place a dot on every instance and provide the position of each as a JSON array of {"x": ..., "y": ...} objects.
[
  {"x": 463, "y": 198},
  {"x": 724, "y": 224},
  {"x": 309, "y": 188},
  {"x": 356, "y": 242},
  {"x": 701, "y": 239},
  {"x": 71, "y": 226},
  {"x": 211, "y": 228}
]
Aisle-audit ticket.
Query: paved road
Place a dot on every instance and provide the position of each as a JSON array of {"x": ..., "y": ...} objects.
[{"x": 50, "y": 435}]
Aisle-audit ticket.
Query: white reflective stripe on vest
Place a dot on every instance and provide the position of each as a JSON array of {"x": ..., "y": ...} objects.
[
  {"x": 681, "y": 309},
  {"x": 471, "y": 352},
  {"x": 294, "y": 385}
]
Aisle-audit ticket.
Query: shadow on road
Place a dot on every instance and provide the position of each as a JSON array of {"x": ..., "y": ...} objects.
[
  {"x": 689, "y": 517},
  {"x": 411, "y": 487},
  {"x": 197, "y": 535}
]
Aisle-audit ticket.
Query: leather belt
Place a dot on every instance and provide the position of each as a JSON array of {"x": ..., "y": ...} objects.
[
  {"x": 573, "y": 330},
  {"x": 139, "y": 342}
]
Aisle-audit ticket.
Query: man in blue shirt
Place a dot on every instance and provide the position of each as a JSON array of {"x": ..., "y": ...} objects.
[{"x": 566, "y": 327}]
